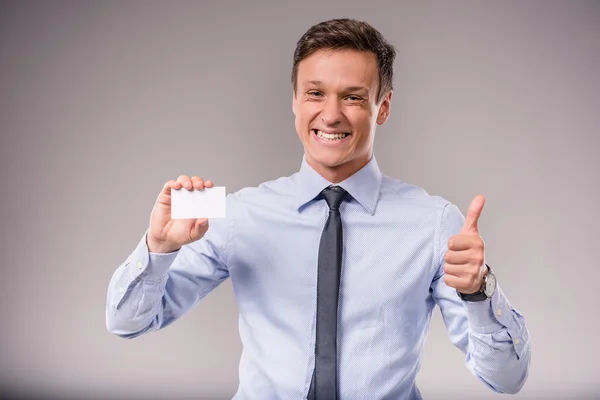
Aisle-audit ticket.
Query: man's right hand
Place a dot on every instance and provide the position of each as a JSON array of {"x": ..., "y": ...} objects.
[{"x": 167, "y": 235}]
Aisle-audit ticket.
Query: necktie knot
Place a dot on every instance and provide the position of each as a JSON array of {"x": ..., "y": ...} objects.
[{"x": 334, "y": 195}]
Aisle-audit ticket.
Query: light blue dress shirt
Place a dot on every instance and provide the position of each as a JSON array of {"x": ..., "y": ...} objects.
[{"x": 395, "y": 237}]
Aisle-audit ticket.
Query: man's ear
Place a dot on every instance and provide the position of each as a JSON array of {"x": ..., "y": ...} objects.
[{"x": 384, "y": 109}]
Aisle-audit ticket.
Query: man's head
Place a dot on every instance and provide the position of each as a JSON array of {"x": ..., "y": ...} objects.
[{"x": 342, "y": 80}]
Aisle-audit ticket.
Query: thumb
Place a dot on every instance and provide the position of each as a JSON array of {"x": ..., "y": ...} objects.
[
  {"x": 199, "y": 229},
  {"x": 473, "y": 213}
]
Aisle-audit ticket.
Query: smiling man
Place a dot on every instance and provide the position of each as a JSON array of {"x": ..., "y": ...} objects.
[
  {"x": 337, "y": 103},
  {"x": 337, "y": 268}
]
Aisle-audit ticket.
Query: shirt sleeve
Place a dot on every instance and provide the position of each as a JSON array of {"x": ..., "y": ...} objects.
[
  {"x": 149, "y": 291},
  {"x": 491, "y": 333}
]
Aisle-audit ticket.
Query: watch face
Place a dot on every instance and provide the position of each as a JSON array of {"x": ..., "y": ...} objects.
[{"x": 490, "y": 284}]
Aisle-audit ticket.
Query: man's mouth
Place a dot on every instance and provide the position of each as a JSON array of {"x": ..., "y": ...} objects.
[{"x": 330, "y": 136}]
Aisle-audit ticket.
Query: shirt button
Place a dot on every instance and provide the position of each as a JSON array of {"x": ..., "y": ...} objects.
[
  {"x": 139, "y": 265},
  {"x": 498, "y": 312},
  {"x": 121, "y": 290},
  {"x": 517, "y": 341}
]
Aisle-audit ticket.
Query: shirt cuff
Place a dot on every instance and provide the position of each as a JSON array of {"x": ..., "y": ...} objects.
[
  {"x": 150, "y": 266},
  {"x": 490, "y": 315}
]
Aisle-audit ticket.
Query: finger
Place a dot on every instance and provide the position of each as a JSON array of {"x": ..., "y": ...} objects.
[
  {"x": 464, "y": 257},
  {"x": 166, "y": 190},
  {"x": 198, "y": 183},
  {"x": 464, "y": 242},
  {"x": 171, "y": 185},
  {"x": 199, "y": 229},
  {"x": 174, "y": 184},
  {"x": 454, "y": 281},
  {"x": 208, "y": 183},
  {"x": 466, "y": 282},
  {"x": 455, "y": 270},
  {"x": 185, "y": 181},
  {"x": 473, "y": 213},
  {"x": 165, "y": 194},
  {"x": 457, "y": 257}
]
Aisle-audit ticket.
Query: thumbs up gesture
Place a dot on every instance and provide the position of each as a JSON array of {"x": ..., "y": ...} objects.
[{"x": 465, "y": 259}]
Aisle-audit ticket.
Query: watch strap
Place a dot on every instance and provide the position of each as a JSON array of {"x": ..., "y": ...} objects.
[{"x": 477, "y": 296}]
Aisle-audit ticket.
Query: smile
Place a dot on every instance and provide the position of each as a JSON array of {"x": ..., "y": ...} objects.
[
  {"x": 330, "y": 139},
  {"x": 330, "y": 136}
]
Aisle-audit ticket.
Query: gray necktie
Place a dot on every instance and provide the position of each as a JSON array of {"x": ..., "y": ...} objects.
[{"x": 324, "y": 381}]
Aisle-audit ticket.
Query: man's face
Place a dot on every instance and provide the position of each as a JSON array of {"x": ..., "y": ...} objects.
[{"x": 336, "y": 111}]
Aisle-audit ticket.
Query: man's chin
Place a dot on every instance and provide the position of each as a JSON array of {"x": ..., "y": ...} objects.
[{"x": 329, "y": 161}]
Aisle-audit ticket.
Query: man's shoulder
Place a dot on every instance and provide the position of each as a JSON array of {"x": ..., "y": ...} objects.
[
  {"x": 284, "y": 186},
  {"x": 410, "y": 193}
]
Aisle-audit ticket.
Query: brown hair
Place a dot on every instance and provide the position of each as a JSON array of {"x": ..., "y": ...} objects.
[{"x": 338, "y": 34}]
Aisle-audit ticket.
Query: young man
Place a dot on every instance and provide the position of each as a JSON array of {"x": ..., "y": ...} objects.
[{"x": 337, "y": 268}]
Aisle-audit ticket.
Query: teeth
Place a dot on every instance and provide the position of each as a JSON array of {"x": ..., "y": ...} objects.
[{"x": 331, "y": 136}]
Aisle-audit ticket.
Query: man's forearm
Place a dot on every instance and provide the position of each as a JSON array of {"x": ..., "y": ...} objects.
[
  {"x": 499, "y": 351},
  {"x": 135, "y": 292}
]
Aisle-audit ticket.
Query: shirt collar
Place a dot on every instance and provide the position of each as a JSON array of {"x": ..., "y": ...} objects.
[{"x": 363, "y": 185}]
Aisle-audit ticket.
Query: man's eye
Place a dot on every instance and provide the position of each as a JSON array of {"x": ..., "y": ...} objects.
[
  {"x": 354, "y": 98},
  {"x": 315, "y": 93}
]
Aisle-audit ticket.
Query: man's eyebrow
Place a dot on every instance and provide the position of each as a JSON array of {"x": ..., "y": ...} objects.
[
  {"x": 348, "y": 89},
  {"x": 356, "y": 89},
  {"x": 315, "y": 83}
]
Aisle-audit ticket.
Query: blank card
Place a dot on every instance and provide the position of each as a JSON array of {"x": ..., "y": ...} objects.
[{"x": 205, "y": 203}]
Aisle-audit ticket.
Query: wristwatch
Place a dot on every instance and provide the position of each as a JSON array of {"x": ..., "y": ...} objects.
[{"x": 487, "y": 289}]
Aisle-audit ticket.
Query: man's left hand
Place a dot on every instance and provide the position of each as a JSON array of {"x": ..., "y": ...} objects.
[{"x": 465, "y": 259}]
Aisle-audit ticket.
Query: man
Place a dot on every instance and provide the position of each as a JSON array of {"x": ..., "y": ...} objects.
[{"x": 337, "y": 268}]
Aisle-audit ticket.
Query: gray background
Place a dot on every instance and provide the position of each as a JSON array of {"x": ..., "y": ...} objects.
[{"x": 103, "y": 102}]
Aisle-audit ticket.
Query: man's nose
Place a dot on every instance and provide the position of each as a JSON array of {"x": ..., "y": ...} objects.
[{"x": 331, "y": 113}]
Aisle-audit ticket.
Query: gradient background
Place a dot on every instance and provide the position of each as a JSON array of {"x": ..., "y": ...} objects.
[{"x": 103, "y": 102}]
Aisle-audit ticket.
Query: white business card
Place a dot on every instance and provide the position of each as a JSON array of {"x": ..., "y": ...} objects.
[{"x": 204, "y": 203}]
